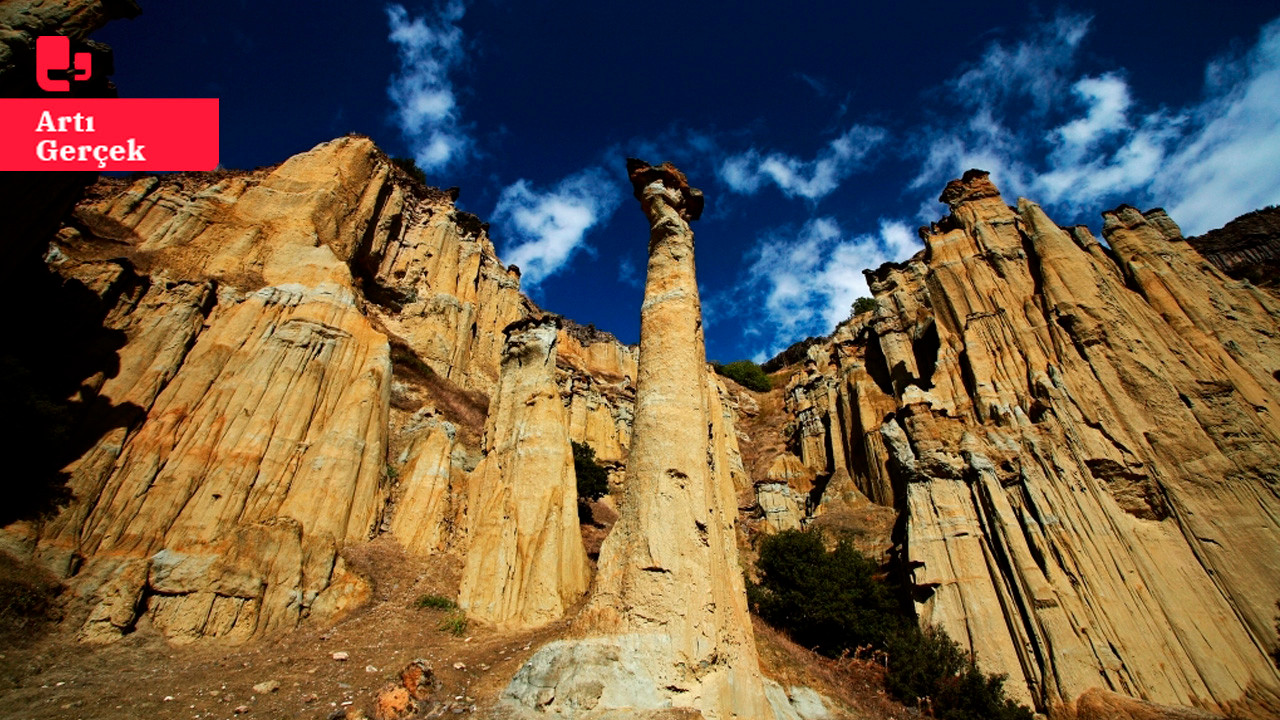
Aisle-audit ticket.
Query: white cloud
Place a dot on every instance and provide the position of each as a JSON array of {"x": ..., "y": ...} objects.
[
  {"x": 550, "y": 226},
  {"x": 806, "y": 281},
  {"x": 810, "y": 179},
  {"x": 1030, "y": 71},
  {"x": 1206, "y": 163},
  {"x": 1229, "y": 165},
  {"x": 1107, "y": 98},
  {"x": 426, "y": 104}
]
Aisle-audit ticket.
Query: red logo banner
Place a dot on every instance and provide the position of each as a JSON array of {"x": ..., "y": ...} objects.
[{"x": 102, "y": 134}]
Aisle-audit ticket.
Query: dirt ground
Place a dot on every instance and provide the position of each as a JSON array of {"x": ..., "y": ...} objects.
[
  {"x": 46, "y": 674},
  {"x": 52, "y": 676}
]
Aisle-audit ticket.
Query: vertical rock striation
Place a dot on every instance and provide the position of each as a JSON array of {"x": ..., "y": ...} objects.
[
  {"x": 525, "y": 561},
  {"x": 245, "y": 414},
  {"x": 667, "y": 623},
  {"x": 283, "y": 363},
  {"x": 1083, "y": 442}
]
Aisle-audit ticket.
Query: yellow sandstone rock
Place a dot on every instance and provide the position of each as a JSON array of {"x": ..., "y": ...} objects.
[
  {"x": 525, "y": 560},
  {"x": 666, "y": 624},
  {"x": 1084, "y": 441}
]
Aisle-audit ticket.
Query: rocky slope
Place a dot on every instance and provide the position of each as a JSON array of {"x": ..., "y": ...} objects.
[
  {"x": 1081, "y": 444},
  {"x": 1245, "y": 248},
  {"x": 306, "y": 359},
  {"x": 1071, "y": 447}
]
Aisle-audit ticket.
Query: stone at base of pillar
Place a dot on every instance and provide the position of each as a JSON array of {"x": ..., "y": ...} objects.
[{"x": 614, "y": 676}]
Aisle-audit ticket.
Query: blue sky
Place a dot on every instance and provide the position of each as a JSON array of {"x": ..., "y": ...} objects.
[{"x": 822, "y": 136}]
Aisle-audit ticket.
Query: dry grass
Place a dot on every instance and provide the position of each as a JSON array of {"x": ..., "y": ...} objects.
[
  {"x": 764, "y": 429},
  {"x": 30, "y": 601},
  {"x": 855, "y": 683},
  {"x": 53, "y": 677}
]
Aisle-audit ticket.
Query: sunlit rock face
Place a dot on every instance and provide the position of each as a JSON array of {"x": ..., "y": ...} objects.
[
  {"x": 1083, "y": 442},
  {"x": 525, "y": 561},
  {"x": 245, "y": 419},
  {"x": 300, "y": 358},
  {"x": 667, "y": 621}
]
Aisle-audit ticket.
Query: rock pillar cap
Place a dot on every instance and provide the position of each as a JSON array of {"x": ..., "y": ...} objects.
[
  {"x": 642, "y": 174},
  {"x": 973, "y": 185}
]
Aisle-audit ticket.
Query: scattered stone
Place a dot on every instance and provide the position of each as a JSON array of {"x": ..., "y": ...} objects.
[
  {"x": 459, "y": 666},
  {"x": 341, "y": 656},
  {"x": 310, "y": 698},
  {"x": 265, "y": 688},
  {"x": 370, "y": 669},
  {"x": 168, "y": 698},
  {"x": 241, "y": 709}
]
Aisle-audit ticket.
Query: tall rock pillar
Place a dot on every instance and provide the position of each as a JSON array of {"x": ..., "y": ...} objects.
[
  {"x": 667, "y": 623},
  {"x": 525, "y": 564}
]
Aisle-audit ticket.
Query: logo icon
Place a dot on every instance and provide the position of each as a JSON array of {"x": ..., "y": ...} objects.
[{"x": 53, "y": 56}]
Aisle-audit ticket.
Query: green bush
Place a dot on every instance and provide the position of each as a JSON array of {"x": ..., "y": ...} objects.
[
  {"x": 834, "y": 602},
  {"x": 410, "y": 166},
  {"x": 593, "y": 478},
  {"x": 863, "y": 304},
  {"x": 435, "y": 602},
  {"x": 926, "y": 664},
  {"x": 828, "y": 601},
  {"x": 454, "y": 623},
  {"x": 746, "y": 373}
]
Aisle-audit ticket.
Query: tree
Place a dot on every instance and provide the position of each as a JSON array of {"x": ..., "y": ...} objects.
[
  {"x": 746, "y": 373},
  {"x": 862, "y": 305},
  {"x": 828, "y": 601},
  {"x": 928, "y": 664},
  {"x": 593, "y": 478},
  {"x": 834, "y": 602}
]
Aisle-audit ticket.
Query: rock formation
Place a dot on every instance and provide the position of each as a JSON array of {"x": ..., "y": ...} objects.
[
  {"x": 667, "y": 622},
  {"x": 597, "y": 379},
  {"x": 300, "y": 358},
  {"x": 1247, "y": 247},
  {"x": 21, "y": 22},
  {"x": 525, "y": 561},
  {"x": 250, "y": 392},
  {"x": 1083, "y": 442}
]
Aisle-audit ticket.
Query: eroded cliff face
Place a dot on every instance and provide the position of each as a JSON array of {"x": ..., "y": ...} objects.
[
  {"x": 306, "y": 361},
  {"x": 302, "y": 358},
  {"x": 1082, "y": 442},
  {"x": 525, "y": 562}
]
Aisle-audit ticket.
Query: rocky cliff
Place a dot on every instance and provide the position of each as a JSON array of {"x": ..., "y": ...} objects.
[
  {"x": 1245, "y": 248},
  {"x": 1081, "y": 443},
  {"x": 302, "y": 357}
]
